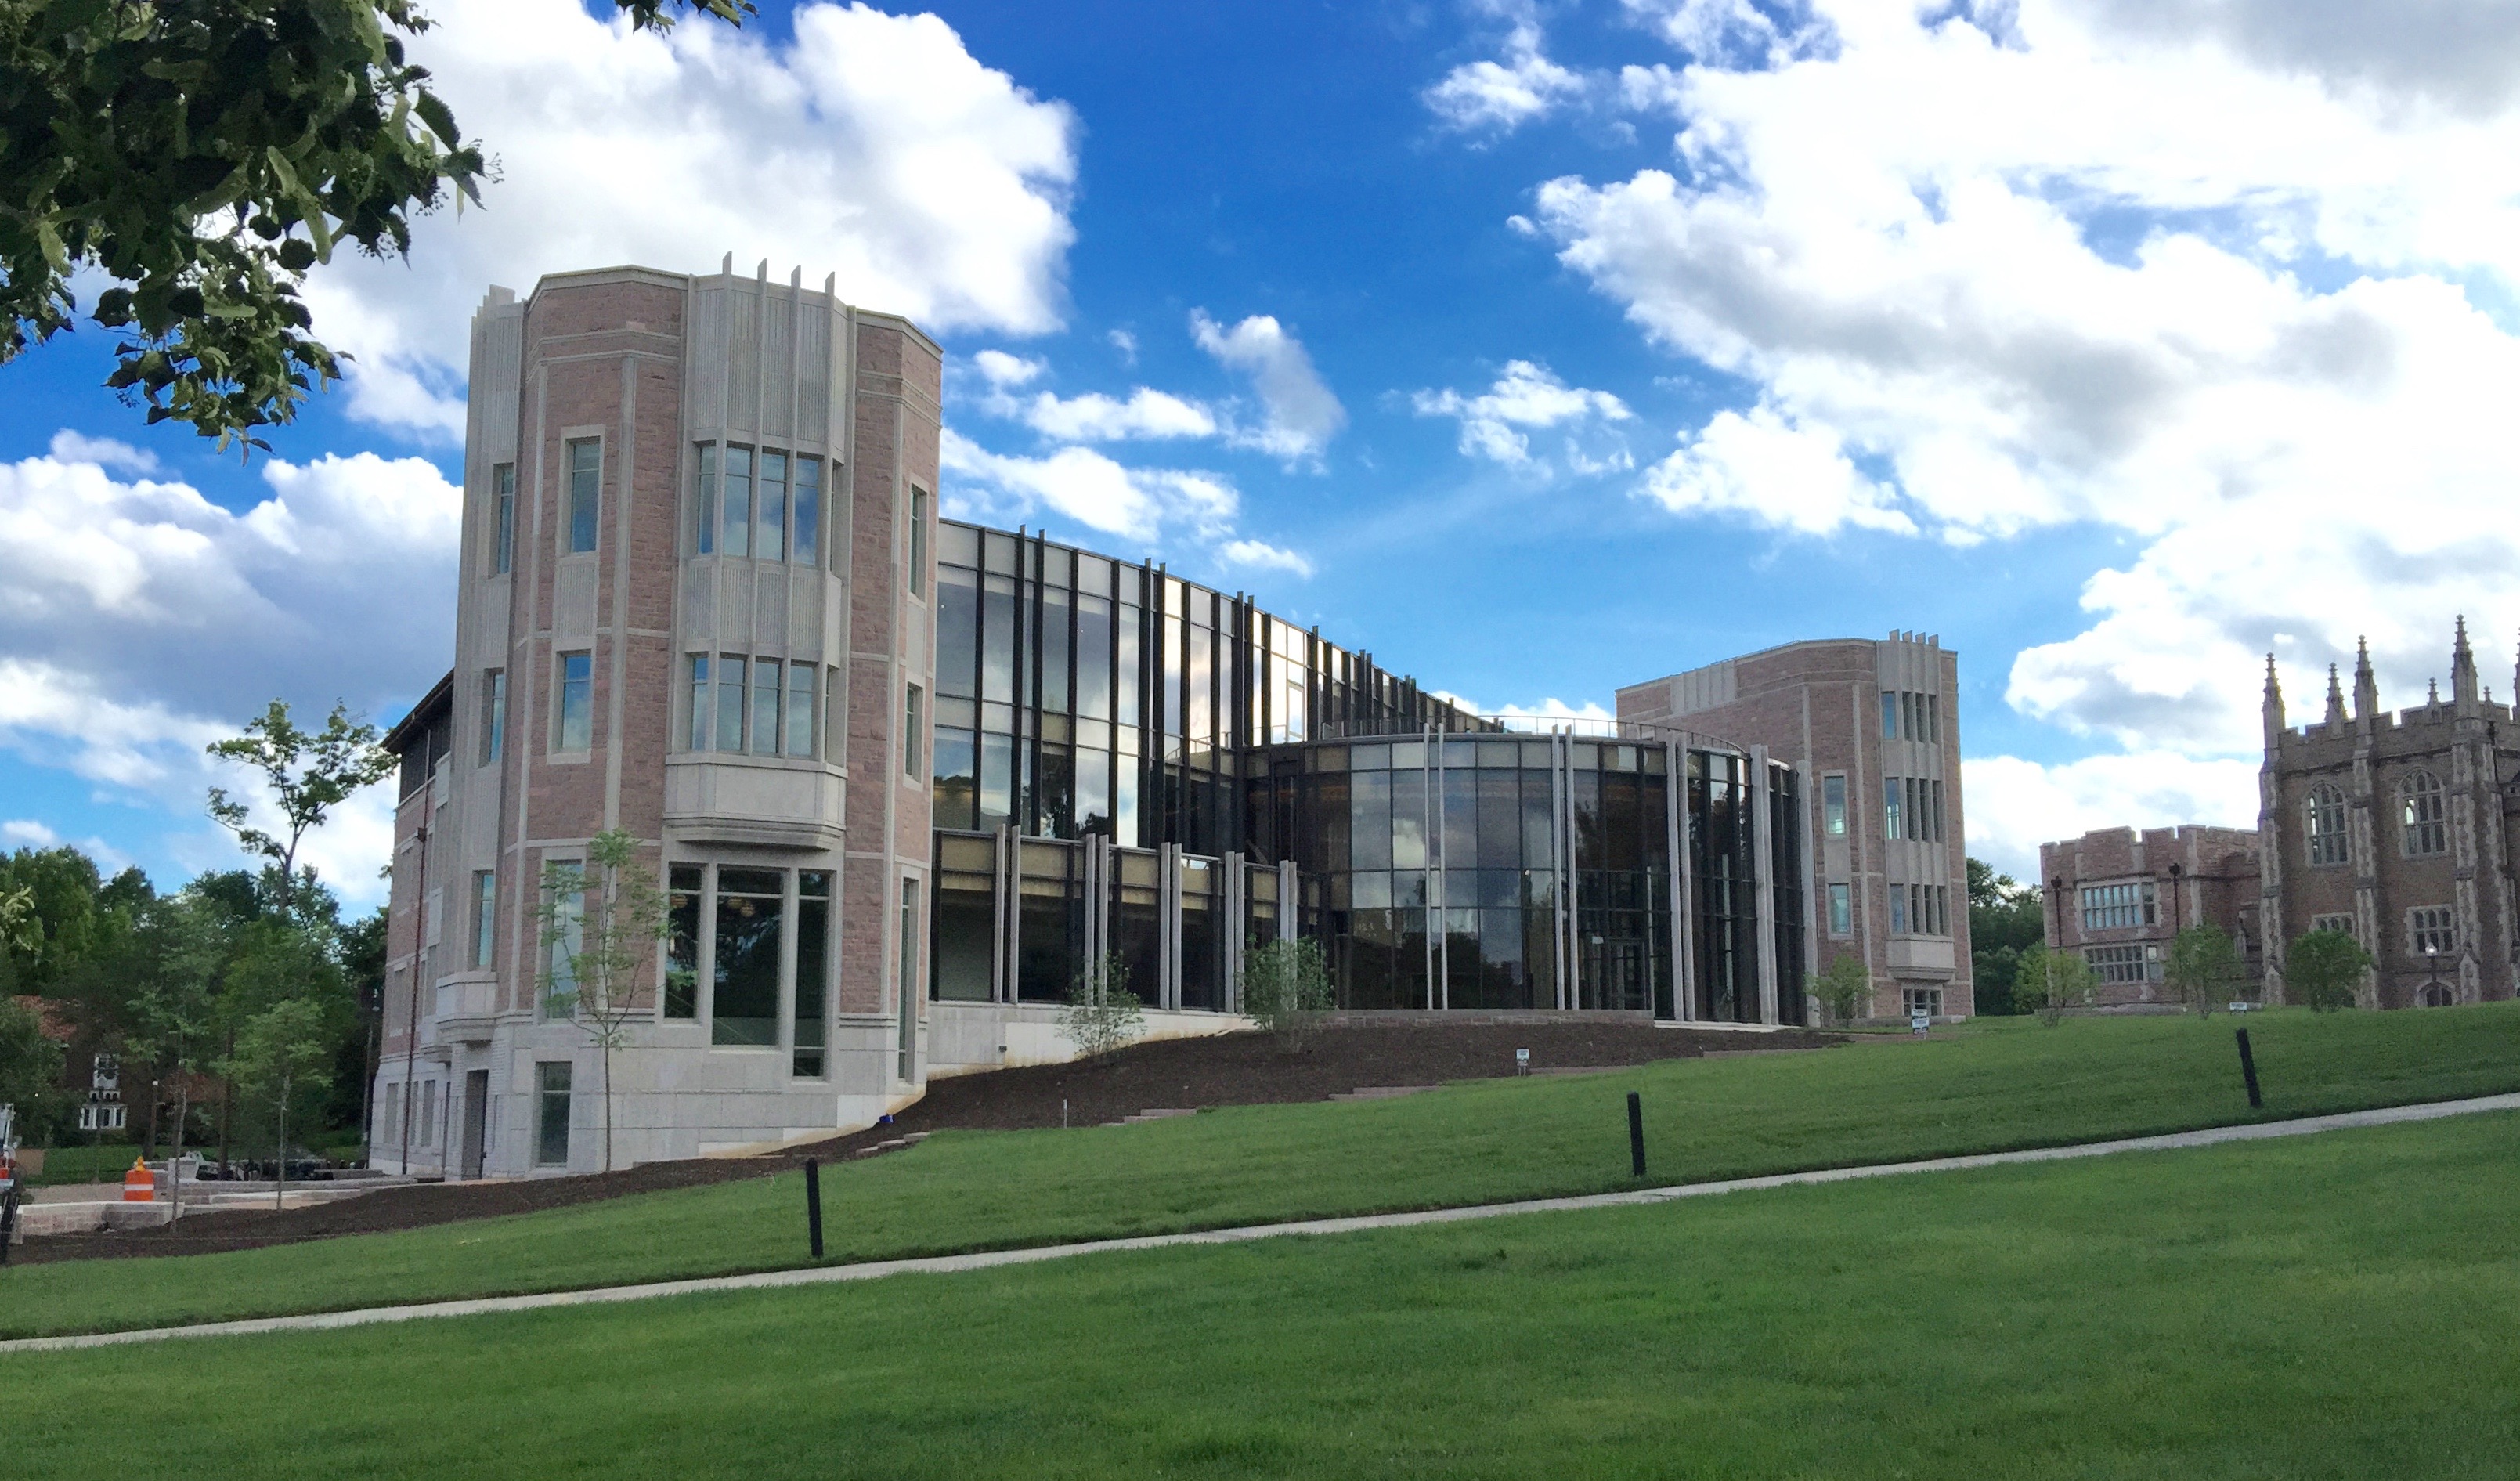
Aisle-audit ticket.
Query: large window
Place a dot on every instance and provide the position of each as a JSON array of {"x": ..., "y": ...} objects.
[
  {"x": 1894, "y": 813},
  {"x": 761, "y": 502},
  {"x": 752, "y": 912},
  {"x": 573, "y": 729},
  {"x": 2342, "y": 924},
  {"x": 2119, "y": 906},
  {"x": 1832, "y": 806},
  {"x": 550, "y": 1113},
  {"x": 813, "y": 953},
  {"x": 503, "y": 518},
  {"x": 683, "y": 941},
  {"x": 2324, "y": 811},
  {"x": 585, "y": 493},
  {"x": 2118, "y": 966},
  {"x": 563, "y": 940},
  {"x": 2424, "y": 815},
  {"x": 2430, "y": 930},
  {"x": 758, "y": 704}
]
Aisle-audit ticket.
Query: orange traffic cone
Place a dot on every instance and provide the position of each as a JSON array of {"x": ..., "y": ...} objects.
[{"x": 139, "y": 1185}]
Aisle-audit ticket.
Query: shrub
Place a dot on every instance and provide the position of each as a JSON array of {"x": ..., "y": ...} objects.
[
  {"x": 1101, "y": 1013},
  {"x": 1286, "y": 988}
]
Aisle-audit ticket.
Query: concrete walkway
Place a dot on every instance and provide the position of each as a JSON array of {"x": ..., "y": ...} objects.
[{"x": 991, "y": 1259}]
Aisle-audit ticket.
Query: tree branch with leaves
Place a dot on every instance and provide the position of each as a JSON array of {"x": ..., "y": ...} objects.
[{"x": 307, "y": 774}]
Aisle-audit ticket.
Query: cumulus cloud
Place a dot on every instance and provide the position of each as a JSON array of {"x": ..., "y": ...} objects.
[
  {"x": 1003, "y": 370},
  {"x": 76, "y": 447},
  {"x": 868, "y": 144},
  {"x": 2015, "y": 805},
  {"x": 1495, "y": 423},
  {"x": 1502, "y": 96},
  {"x": 142, "y": 621},
  {"x": 1299, "y": 414},
  {"x": 1260, "y": 556},
  {"x": 1097, "y": 417},
  {"x": 2220, "y": 275},
  {"x": 1135, "y": 504}
]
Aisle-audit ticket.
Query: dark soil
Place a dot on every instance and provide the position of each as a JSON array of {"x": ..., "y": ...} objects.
[{"x": 1232, "y": 1070}]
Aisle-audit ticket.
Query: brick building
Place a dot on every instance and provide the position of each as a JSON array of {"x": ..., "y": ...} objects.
[
  {"x": 1873, "y": 726},
  {"x": 2397, "y": 826},
  {"x": 2117, "y": 896}
]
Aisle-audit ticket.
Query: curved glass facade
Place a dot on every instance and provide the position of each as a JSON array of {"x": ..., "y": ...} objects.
[{"x": 1135, "y": 766}]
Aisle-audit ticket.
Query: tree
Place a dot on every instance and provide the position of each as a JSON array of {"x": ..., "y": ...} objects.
[
  {"x": 179, "y": 966},
  {"x": 2322, "y": 969},
  {"x": 2005, "y": 919},
  {"x": 284, "y": 1049},
  {"x": 1101, "y": 1013},
  {"x": 30, "y": 1064},
  {"x": 1286, "y": 988},
  {"x": 1844, "y": 988},
  {"x": 2050, "y": 982},
  {"x": 202, "y": 154},
  {"x": 601, "y": 924},
  {"x": 2202, "y": 969},
  {"x": 307, "y": 775}
]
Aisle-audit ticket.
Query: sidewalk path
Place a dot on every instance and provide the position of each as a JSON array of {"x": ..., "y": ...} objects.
[{"x": 990, "y": 1259}]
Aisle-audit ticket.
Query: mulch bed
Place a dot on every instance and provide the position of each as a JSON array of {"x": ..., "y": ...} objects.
[{"x": 1231, "y": 1069}]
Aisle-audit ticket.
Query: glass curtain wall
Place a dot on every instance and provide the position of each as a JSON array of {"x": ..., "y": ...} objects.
[
  {"x": 1786, "y": 871},
  {"x": 1723, "y": 845}
]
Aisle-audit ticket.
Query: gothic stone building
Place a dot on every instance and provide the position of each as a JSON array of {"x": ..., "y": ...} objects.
[{"x": 2396, "y": 828}]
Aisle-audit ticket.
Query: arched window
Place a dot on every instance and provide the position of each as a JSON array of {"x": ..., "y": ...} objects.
[
  {"x": 2422, "y": 809},
  {"x": 2325, "y": 809}
]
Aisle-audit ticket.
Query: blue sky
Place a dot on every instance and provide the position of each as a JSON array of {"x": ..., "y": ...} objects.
[{"x": 1537, "y": 348}]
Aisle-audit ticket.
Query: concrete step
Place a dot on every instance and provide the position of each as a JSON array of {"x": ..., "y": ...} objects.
[
  {"x": 1384, "y": 1092},
  {"x": 1159, "y": 1113}
]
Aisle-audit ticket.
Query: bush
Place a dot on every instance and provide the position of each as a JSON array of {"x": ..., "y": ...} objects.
[
  {"x": 1286, "y": 988},
  {"x": 2322, "y": 969},
  {"x": 2051, "y": 982},
  {"x": 1101, "y": 1013},
  {"x": 1844, "y": 988}
]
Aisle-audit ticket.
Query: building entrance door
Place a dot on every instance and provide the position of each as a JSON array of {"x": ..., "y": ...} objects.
[{"x": 476, "y": 1119}]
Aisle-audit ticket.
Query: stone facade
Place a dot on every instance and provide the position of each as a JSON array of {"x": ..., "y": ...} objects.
[
  {"x": 1873, "y": 728},
  {"x": 2399, "y": 828},
  {"x": 2117, "y": 896}
]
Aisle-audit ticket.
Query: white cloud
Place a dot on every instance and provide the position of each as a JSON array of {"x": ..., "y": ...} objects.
[
  {"x": 1300, "y": 416},
  {"x": 1135, "y": 504},
  {"x": 2016, "y": 805},
  {"x": 142, "y": 621},
  {"x": 27, "y": 833},
  {"x": 1003, "y": 371},
  {"x": 1529, "y": 395},
  {"x": 1503, "y": 95},
  {"x": 1126, "y": 344},
  {"x": 1764, "y": 468},
  {"x": 870, "y": 144},
  {"x": 1261, "y": 556},
  {"x": 1097, "y": 417},
  {"x": 72, "y": 447},
  {"x": 2218, "y": 276}
]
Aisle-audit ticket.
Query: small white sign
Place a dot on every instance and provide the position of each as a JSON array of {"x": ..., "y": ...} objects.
[{"x": 1921, "y": 1022}]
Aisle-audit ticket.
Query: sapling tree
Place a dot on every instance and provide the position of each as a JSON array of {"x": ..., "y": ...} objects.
[
  {"x": 307, "y": 773},
  {"x": 2052, "y": 982},
  {"x": 2202, "y": 968},
  {"x": 1287, "y": 989},
  {"x": 1845, "y": 987},
  {"x": 285, "y": 1048},
  {"x": 601, "y": 924},
  {"x": 2322, "y": 969},
  {"x": 1101, "y": 1013}
]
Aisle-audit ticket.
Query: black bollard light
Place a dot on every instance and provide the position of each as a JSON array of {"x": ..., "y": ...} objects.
[
  {"x": 814, "y": 1206},
  {"x": 1636, "y": 1132},
  {"x": 2249, "y": 1069}
]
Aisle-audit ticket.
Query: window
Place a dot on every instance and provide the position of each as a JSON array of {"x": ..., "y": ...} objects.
[
  {"x": 731, "y": 671},
  {"x": 702, "y": 722},
  {"x": 2119, "y": 966},
  {"x": 807, "y": 546},
  {"x": 2430, "y": 932},
  {"x": 911, "y": 743},
  {"x": 683, "y": 941},
  {"x": 503, "y": 500},
  {"x": 2423, "y": 809},
  {"x": 550, "y": 1113},
  {"x": 1898, "y": 910},
  {"x": 486, "y": 916},
  {"x": 494, "y": 713},
  {"x": 801, "y": 710},
  {"x": 813, "y": 942},
  {"x": 1925, "y": 1002},
  {"x": 910, "y": 979},
  {"x": 744, "y": 997},
  {"x": 428, "y": 1127},
  {"x": 563, "y": 940},
  {"x": 2343, "y": 925},
  {"x": 919, "y": 542},
  {"x": 1841, "y": 910},
  {"x": 1889, "y": 714},
  {"x": 585, "y": 493},
  {"x": 704, "y": 503},
  {"x": 735, "y": 504},
  {"x": 1937, "y": 810},
  {"x": 576, "y": 727},
  {"x": 2325, "y": 810},
  {"x": 1893, "y": 818},
  {"x": 1930, "y": 707},
  {"x": 2119, "y": 906},
  {"x": 1832, "y": 806},
  {"x": 765, "y": 706},
  {"x": 770, "y": 502}
]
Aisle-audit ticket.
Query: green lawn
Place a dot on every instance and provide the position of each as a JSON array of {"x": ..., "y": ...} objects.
[
  {"x": 2338, "y": 1306},
  {"x": 2006, "y": 1083},
  {"x": 85, "y": 1164}
]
